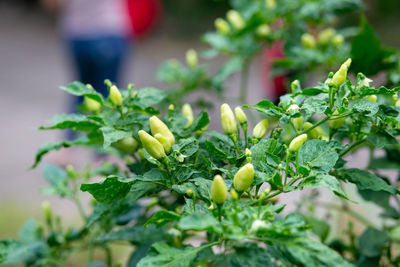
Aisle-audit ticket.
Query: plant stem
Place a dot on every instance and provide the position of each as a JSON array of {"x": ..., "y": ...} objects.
[
  {"x": 351, "y": 212},
  {"x": 316, "y": 125},
  {"x": 108, "y": 255},
  {"x": 244, "y": 78},
  {"x": 351, "y": 147},
  {"x": 80, "y": 208},
  {"x": 287, "y": 166}
]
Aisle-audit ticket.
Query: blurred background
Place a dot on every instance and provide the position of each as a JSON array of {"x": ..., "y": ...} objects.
[{"x": 35, "y": 60}]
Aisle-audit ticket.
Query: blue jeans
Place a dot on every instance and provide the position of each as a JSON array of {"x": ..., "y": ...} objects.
[{"x": 95, "y": 60}]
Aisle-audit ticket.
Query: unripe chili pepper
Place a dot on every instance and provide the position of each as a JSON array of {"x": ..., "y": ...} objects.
[
  {"x": 260, "y": 129},
  {"x": 191, "y": 58},
  {"x": 235, "y": 19},
  {"x": 394, "y": 99},
  {"x": 308, "y": 41},
  {"x": 326, "y": 36},
  {"x": 92, "y": 105},
  {"x": 348, "y": 63},
  {"x": 247, "y": 152},
  {"x": 244, "y": 177},
  {"x": 141, "y": 154},
  {"x": 164, "y": 141},
  {"x": 265, "y": 193},
  {"x": 340, "y": 76},
  {"x": 336, "y": 123},
  {"x": 134, "y": 93},
  {"x": 188, "y": 113},
  {"x": 297, "y": 142},
  {"x": 234, "y": 195},
  {"x": 222, "y": 26},
  {"x": 270, "y": 4},
  {"x": 228, "y": 121},
  {"x": 46, "y": 208},
  {"x": 316, "y": 133},
  {"x": 115, "y": 96},
  {"x": 152, "y": 146},
  {"x": 294, "y": 86},
  {"x": 189, "y": 192},
  {"x": 263, "y": 30},
  {"x": 371, "y": 98},
  {"x": 240, "y": 115},
  {"x": 397, "y": 103},
  {"x": 218, "y": 190},
  {"x": 157, "y": 126},
  {"x": 127, "y": 144},
  {"x": 338, "y": 40},
  {"x": 297, "y": 122}
]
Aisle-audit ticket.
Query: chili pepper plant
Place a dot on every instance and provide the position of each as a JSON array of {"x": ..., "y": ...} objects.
[{"x": 185, "y": 195}]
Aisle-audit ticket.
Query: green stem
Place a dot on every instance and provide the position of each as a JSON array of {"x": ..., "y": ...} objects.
[
  {"x": 244, "y": 78},
  {"x": 244, "y": 128},
  {"x": 109, "y": 256},
  {"x": 219, "y": 212},
  {"x": 90, "y": 253},
  {"x": 344, "y": 152},
  {"x": 287, "y": 166},
  {"x": 351, "y": 212},
  {"x": 316, "y": 125},
  {"x": 78, "y": 204},
  {"x": 234, "y": 139}
]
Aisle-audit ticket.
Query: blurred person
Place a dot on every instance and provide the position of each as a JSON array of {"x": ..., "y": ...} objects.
[{"x": 96, "y": 34}]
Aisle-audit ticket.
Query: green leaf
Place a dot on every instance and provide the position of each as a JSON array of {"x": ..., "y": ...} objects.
[
  {"x": 14, "y": 252},
  {"x": 75, "y": 122},
  {"x": 30, "y": 232},
  {"x": 230, "y": 67},
  {"x": 200, "y": 222},
  {"x": 149, "y": 96},
  {"x": 186, "y": 147},
  {"x": 320, "y": 227},
  {"x": 382, "y": 199},
  {"x": 306, "y": 252},
  {"x": 200, "y": 186},
  {"x": 250, "y": 255},
  {"x": 79, "y": 89},
  {"x": 317, "y": 154},
  {"x": 110, "y": 189},
  {"x": 163, "y": 255},
  {"x": 199, "y": 122},
  {"x": 324, "y": 180},
  {"x": 135, "y": 234},
  {"x": 371, "y": 242},
  {"x": 365, "y": 107},
  {"x": 266, "y": 155},
  {"x": 46, "y": 148},
  {"x": 312, "y": 91},
  {"x": 162, "y": 217},
  {"x": 316, "y": 104},
  {"x": 368, "y": 55},
  {"x": 382, "y": 139},
  {"x": 380, "y": 91},
  {"x": 384, "y": 163},
  {"x": 112, "y": 135},
  {"x": 57, "y": 177},
  {"x": 365, "y": 180}
]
